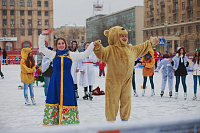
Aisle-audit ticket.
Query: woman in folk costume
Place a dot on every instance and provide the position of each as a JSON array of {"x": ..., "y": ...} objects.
[
  {"x": 75, "y": 66},
  {"x": 61, "y": 104},
  {"x": 148, "y": 62},
  {"x": 87, "y": 76},
  {"x": 196, "y": 72},
  {"x": 180, "y": 67}
]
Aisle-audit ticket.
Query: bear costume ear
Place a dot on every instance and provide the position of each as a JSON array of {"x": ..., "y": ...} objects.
[{"x": 106, "y": 33}]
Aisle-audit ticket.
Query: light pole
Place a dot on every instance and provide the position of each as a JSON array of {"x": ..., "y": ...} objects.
[{"x": 166, "y": 34}]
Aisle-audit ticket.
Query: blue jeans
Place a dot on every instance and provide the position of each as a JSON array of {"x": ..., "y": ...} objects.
[
  {"x": 133, "y": 82},
  {"x": 26, "y": 90},
  {"x": 195, "y": 82},
  {"x": 183, "y": 78},
  {"x": 46, "y": 84},
  {"x": 145, "y": 81}
]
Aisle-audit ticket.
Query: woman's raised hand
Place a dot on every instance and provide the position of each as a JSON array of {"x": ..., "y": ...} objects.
[{"x": 46, "y": 32}]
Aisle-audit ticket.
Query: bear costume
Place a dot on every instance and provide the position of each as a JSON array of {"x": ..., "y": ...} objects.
[{"x": 119, "y": 58}]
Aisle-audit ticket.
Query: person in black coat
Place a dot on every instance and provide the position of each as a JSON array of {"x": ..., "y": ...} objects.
[{"x": 4, "y": 56}]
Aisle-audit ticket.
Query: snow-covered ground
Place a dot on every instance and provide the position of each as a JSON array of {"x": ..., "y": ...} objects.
[{"x": 14, "y": 114}]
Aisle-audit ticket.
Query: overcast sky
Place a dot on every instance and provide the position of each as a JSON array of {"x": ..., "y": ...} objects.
[{"x": 76, "y": 11}]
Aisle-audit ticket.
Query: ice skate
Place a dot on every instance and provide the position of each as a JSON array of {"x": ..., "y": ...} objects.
[
  {"x": 27, "y": 101},
  {"x": 194, "y": 97},
  {"x": 176, "y": 95},
  {"x": 2, "y": 77},
  {"x": 85, "y": 97},
  {"x": 162, "y": 93},
  {"x": 170, "y": 93},
  {"x": 33, "y": 100},
  {"x": 143, "y": 92},
  {"x": 135, "y": 94},
  {"x": 185, "y": 95},
  {"x": 152, "y": 92},
  {"x": 90, "y": 96}
]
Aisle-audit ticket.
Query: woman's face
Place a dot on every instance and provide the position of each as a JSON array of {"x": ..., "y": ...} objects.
[
  {"x": 73, "y": 45},
  {"x": 60, "y": 45},
  {"x": 181, "y": 51},
  {"x": 86, "y": 46},
  {"x": 30, "y": 54},
  {"x": 197, "y": 53}
]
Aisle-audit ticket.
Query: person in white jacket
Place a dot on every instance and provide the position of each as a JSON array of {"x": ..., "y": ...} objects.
[
  {"x": 75, "y": 65},
  {"x": 87, "y": 76},
  {"x": 196, "y": 72}
]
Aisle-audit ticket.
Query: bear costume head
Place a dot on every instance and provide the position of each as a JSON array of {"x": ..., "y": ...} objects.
[{"x": 113, "y": 35}]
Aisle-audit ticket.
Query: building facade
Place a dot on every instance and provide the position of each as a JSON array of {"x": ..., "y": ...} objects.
[
  {"x": 22, "y": 21},
  {"x": 177, "y": 21},
  {"x": 131, "y": 19},
  {"x": 71, "y": 32}
]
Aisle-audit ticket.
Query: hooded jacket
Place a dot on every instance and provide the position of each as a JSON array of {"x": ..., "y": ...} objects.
[
  {"x": 27, "y": 75},
  {"x": 148, "y": 69}
]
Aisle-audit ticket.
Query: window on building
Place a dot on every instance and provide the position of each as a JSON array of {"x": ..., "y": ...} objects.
[
  {"x": 157, "y": 2},
  {"x": 39, "y": 22},
  {"x": 183, "y": 5},
  {"x": 29, "y": 22},
  {"x": 12, "y": 22},
  {"x": 39, "y": 31},
  {"x": 162, "y": 32},
  {"x": 158, "y": 11},
  {"x": 151, "y": 33},
  {"x": 156, "y": 32},
  {"x": 147, "y": 3},
  {"x": 46, "y": 13},
  {"x": 198, "y": 14},
  {"x": 198, "y": 2},
  {"x": 8, "y": 46},
  {"x": 22, "y": 22},
  {"x": 4, "y": 32},
  {"x": 30, "y": 13},
  {"x": 191, "y": 3},
  {"x": 22, "y": 32},
  {"x": 29, "y": 3},
  {"x": 147, "y": 34},
  {"x": 182, "y": 29},
  {"x": 29, "y": 31},
  {"x": 197, "y": 43},
  {"x": 46, "y": 3},
  {"x": 148, "y": 14},
  {"x": 4, "y": 22},
  {"x": 169, "y": 31},
  {"x": 26, "y": 45},
  {"x": 21, "y": 2},
  {"x": 39, "y": 13},
  {"x": 38, "y": 3},
  {"x": 198, "y": 28},
  {"x": 186, "y": 46},
  {"x": 190, "y": 29},
  {"x": 22, "y": 13},
  {"x": 183, "y": 17},
  {"x": 46, "y": 22},
  {"x": 170, "y": 19},
  {"x": 12, "y": 3},
  {"x": 175, "y": 30},
  {"x": 12, "y": 12},
  {"x": 158, "y": 21},
  {"x": 4, "y": 12},
  {"x": 4, "y": 3},
  {"x": 12, "y": 32},
  {"x": 170, "y": 9}
]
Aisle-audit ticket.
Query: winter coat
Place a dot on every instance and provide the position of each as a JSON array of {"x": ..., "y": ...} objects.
[
  {"x": 167, "y": 68},
  {"x": 102, "y": 65},
  {"x": 74, "y": 67},
  {"x": 148, "y": 69},
  {"x": 156, "y": 55},
  {"x": 86, "y": 65},
  {"x": 196, "y": 68},
  {"x": 176, "y": 60},
  {"x": 27, "y": 75},
  {"x": 4, "y": 54},
  {"x": 47, "y": 67}
]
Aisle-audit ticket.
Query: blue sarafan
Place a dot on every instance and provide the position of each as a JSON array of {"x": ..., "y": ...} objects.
[{"x": 61, "y": 103}]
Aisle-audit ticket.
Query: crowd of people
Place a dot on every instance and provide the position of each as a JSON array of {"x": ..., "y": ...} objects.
[{"x": 61, "y": 65}]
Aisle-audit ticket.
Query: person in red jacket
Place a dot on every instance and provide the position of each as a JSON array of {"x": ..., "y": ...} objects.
[
  {"x": 156, "y": 56},
  {"x": 101, "y": 68}
]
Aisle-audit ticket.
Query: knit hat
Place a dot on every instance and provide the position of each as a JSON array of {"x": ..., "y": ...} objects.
[{"x": 179, "y": 48}]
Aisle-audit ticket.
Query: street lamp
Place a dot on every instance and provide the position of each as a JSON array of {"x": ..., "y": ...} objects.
[{"x": 166, "y": 34}]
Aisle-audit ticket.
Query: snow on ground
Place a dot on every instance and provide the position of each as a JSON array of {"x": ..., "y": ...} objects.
[{"x": 14, "y": 114}]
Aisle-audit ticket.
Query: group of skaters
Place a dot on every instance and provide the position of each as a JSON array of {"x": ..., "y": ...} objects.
[
  {"x": 63, "y": 63},
  {"x": 177, "y": 66}
]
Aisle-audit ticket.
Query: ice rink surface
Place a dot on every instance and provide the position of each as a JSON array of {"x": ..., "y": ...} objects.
[{"x": 14, "y": 114}]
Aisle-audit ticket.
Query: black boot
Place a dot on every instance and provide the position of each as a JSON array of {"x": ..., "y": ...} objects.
[
  {"x": 76, "y": 90},
  {"x": 90, "y": 90},
  {"x": 90, "y": 96},
  {"x": 161, "y": 94},
  {"x": 85, "y": 97},
  {"x": 170, "y": 93}
]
